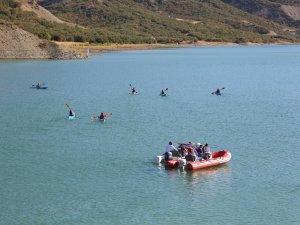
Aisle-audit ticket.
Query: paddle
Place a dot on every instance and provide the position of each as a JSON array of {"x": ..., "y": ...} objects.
[
  {"x": 70, "y": 108},
  {"x": 132, "y": 88},
  {"x": 162, "y": 93},
  {"x": 96, "y": 117}
]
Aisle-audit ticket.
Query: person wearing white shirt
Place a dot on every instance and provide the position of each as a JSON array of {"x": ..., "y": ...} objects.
[{"x": 169, "y": 149}]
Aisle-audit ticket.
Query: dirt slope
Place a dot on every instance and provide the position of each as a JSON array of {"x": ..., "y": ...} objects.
[
  {"x": 292, "y": 11},
  {"x": 17, "y": 43},
  {"x": 41, "y": 12}
]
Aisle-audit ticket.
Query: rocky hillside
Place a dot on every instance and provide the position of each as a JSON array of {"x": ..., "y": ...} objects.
[
  {"x": 179, "y": 20},
  {"x": 151, "y": 21},
  {"x": 280, "y": 11},
  {"x": 20, "y": 44}
]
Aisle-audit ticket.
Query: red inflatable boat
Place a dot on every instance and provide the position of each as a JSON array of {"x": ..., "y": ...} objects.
[
  {"x": 218, "y": 158},
  {"x": 170, "y": 164}
]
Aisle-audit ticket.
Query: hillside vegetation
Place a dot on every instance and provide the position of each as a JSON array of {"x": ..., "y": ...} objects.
[{"x": 156, "y": 21}]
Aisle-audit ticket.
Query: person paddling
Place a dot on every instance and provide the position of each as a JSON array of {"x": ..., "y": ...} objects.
[
  {"x": 218, "y": 91},
  {"x": 102, "y": 116},
  {"x": 133, "y": 91},
  {"x": 162, "y": 92},
  {"x": 71, "y": 113}
]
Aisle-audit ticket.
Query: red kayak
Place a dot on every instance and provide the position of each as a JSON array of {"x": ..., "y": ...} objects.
[{"x": 217, "y": 158}]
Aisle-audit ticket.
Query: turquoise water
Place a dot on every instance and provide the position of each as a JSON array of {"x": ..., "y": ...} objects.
[{"x": 56, "y": 171}]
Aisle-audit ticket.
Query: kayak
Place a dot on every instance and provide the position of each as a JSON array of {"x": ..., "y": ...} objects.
[
  {"x": 39, "y": 87},
  {"x": 102, "y": 120},
  {"x": 162, "y": 94},
  {"x": 72, "y": 117},
  {"x": 218, "y": 158}
]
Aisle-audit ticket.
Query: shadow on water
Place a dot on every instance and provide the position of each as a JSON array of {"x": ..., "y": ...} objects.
[
  {"x": 202, "y": 175},
  {"x": 221, "y": 172}
]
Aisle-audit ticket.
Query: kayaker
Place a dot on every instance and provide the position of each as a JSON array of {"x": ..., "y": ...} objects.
[
  {"x": 38, "y": 85},
  {"x": 162, "y": 92},
  {"x": 102, "y": 116},
  {"x": 207, "y": 153},
  {"x": 71, "y": 113},
  {"x": 218, "y": 92},
  {"x": 133, "y": 91}
]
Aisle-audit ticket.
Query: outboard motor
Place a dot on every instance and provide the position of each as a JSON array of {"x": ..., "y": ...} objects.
[{"x": 168, "y": 156}]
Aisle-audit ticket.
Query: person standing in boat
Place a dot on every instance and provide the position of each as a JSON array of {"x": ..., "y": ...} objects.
[
  {"x": 169, "y": 151},
  {"x": 207, "y": 153}
]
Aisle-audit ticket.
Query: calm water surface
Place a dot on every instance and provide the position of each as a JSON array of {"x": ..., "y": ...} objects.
[{"x": 56, "y": 171}]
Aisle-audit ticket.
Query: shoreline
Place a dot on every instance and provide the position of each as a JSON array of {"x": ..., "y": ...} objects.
[
  {"x": 98, "y": 48},
  {"x": 81, "y": 48}
]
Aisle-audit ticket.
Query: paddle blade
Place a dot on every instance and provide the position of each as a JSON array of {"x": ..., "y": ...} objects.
[
  {"x": 94, "y": 117},
  {"x": 109, "y": 114},
  {"x": 166, "y": 89}
]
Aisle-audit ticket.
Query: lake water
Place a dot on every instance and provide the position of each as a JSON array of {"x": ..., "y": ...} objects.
[{"x": 56, "y": 171}]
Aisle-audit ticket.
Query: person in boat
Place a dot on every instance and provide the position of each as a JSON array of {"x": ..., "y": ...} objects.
[
  {"x": 218, "y": 92},
  {"x": 207, "y": 153},
  {"x": 192, "y": 154},
  {"x": 71, "y": 113},
  {"x": 191, "y": 144},
  {"x": 162, "y": 92},
  {"x": 199, "y": 150},
  {"x": 170, "y": 149},
  {"x": 38, "y": 85},
  {"x": 102, "y": 116},
  {"x": 182, "y": 151}
]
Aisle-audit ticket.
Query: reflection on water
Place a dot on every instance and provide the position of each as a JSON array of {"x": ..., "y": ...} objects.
[
  {"x": 201, "y": 175},
  {"x": 198, "y": 176}
]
